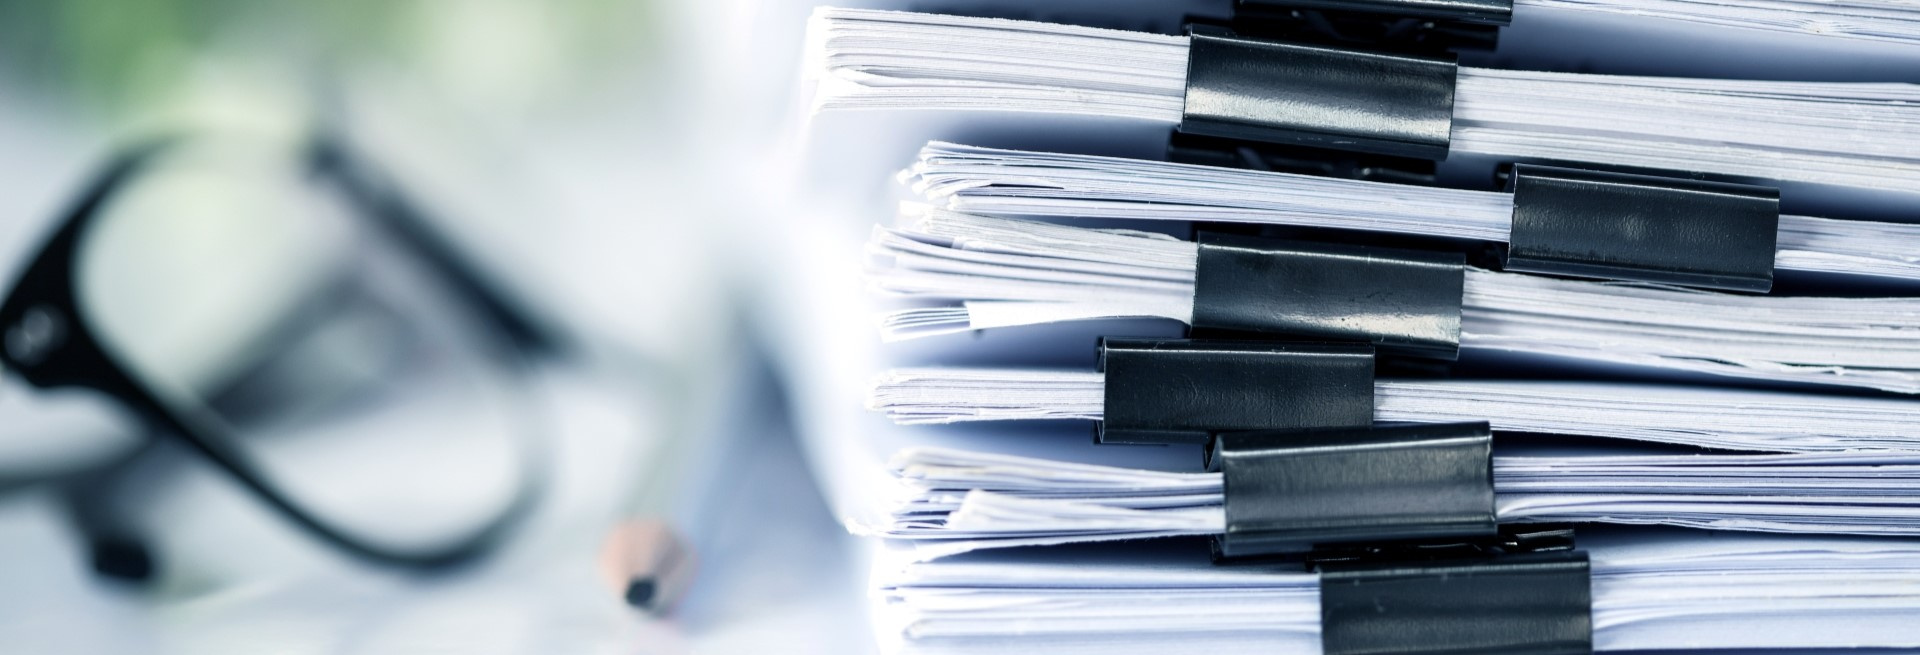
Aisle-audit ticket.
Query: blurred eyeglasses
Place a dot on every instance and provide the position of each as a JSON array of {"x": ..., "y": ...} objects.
[{"x": 286, "y": 313}]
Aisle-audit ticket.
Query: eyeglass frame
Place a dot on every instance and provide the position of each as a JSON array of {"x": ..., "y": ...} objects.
[{"x": 46, "y": 340}]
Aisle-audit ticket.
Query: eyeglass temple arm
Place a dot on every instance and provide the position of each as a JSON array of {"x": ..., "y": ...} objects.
[{"x": 368, "y": 187}]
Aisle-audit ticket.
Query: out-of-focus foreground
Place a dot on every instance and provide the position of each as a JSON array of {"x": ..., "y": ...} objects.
[{"x": 585, "y": 162}]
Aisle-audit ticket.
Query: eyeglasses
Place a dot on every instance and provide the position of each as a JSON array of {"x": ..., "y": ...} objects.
[{"x": 291, "y": 317}]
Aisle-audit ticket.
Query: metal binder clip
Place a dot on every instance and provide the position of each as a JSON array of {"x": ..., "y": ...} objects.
[
  {"x": 1429, "y": 27},
  {"x": 1400, "y": 524},
  {"x": 1511, "y": 539},
  {"x": 1319, "y": 96},
  {"x": 1622, "y": 226},
  {"x": 1491, "y": 12},
  {"x": 1184, "y": 148},
  {"x": 1529, "y": 604},
  {"x": 1295, "y": 492},
  {"x": 1175, "y": 391},
  {"x": 1403, "y": 301}
]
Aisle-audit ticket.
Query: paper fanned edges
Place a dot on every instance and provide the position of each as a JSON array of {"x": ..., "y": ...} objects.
[
  {"x": 996, "y": 272},
  {"x": 1652, "y": 590},
  {"x": 1845, "y": 135},
  {"x": 1495, "y": 12},
  {"x": 1014, "y": 183},
  {"x": 1735, "y": 419},
  {"x": 971, "y": 500}
]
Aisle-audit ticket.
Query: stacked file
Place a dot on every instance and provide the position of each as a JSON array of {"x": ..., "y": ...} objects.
[
  {"x": 988, "y": 273},
  {"x": 1397, "y": 355},
  {"x": 1852, "y": 136},
  {"x": 1651, "y": 591}
]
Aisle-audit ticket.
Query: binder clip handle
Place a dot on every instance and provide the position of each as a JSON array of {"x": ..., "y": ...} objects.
[
  {"x": 1185, "y": 148},
  {"x": 1512, "y": 539},
  {"x": 1430, "y": 27},
  {"x": 1486, "y": 12}
]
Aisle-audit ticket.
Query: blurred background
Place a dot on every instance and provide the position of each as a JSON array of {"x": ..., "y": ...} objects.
[{"x": 604, "y": 167}]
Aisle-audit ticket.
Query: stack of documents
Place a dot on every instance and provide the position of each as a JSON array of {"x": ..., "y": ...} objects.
[
  {"x": 1732, "y": 419},
  {"x": 1652, "y": 590},
  {"x": 970, "y": 500},
  {"x": 994, "y": 182},
  {"x": 1731, "y": 467},
  {"x": 1886, "y": 20},
  {"x": 994, "y": 273},
  {"x": 1848, "y": 135}
]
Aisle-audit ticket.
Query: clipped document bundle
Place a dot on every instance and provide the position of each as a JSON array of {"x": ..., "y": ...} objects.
[
  {"x": 1732, "y": 419},
  {"x": 1890, "y": 21},
  {"x": 982, "y": 272},
  {"x": 1649, "y": 590},
  {"x": 971, "y": 500},
  {"x": 1847, "y": 135},
  {"x": 1590, "y": 403},
  {"x": 1011, "y": 183}
]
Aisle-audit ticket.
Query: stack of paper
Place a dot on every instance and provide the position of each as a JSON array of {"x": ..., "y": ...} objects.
[
  {"x": 996, "y": 273},
  {"x": 1882, "y": 20},
  {"x": 970, "y": 500},
  {"x": 994, "y": 182},
  {"x": 1734, "y": 419},
  {"x": 1713, "y": 514},
  {"x": 1652, "y": 590},
  {"x": 1847, "y": 135}
]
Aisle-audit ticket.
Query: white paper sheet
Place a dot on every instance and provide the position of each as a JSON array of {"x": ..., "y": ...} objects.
[
  {"x": 985, "y": 272},
  {"x": 1735, "y": 419},
  {"x": 966, "y": 500},
  {"x": 995, "y": 182},
  {"x": 1168, "y": 599},
  {"x": 1873, "y": 20},
  {"x": 1800, "y": 132},
  {"x": 1653, "y": 589}
]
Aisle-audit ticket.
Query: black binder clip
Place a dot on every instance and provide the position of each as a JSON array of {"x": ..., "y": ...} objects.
[
  {"x": 1294, "y": 492},
  {"x": 1318, "y": 96},
  {"x": 1184, "y": 148},
  {"x": 1181, "y": 391},
  {"x": 1405, "y": 302},
  {"x": 1485, "y": 12},
  {"x": 1623, "y": 226},
  {"x": 1400, "y": 523},
  {"x": 1530, "y": 603},
  {"x": 1511, "y": 540},
  {"x": 1410, "y": 26}
]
